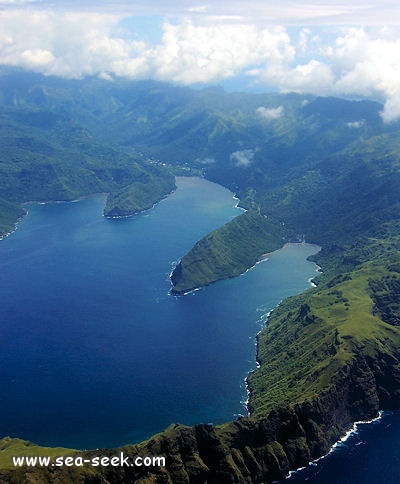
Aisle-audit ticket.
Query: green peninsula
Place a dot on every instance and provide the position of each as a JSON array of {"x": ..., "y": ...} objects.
[
  {"x": 227, "y": 251},
  {"x": 138, "y": 196},
  {"x": 9, "y": 213}
]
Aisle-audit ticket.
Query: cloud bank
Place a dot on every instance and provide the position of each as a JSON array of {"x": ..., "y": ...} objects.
[
  {"x": 203, "y": 43},
  {"x": 282, "y": 12}
]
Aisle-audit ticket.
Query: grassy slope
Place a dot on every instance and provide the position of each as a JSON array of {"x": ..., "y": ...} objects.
[
  {"x": 16, "y": 447},
  {"x": 227, "y": 251},
  {"x": 311, "y": 337}
]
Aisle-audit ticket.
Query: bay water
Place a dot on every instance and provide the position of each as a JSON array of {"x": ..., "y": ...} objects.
[{"x": 95, "y": 352}]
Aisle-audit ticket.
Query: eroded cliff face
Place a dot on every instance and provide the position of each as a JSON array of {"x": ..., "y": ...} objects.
[
  {"x": 325, "y": 361},
  {"x": 250, "y": 450},
  {"x": 265, "y": 449}
]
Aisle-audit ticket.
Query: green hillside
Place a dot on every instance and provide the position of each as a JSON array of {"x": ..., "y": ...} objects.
[
  {"x": 9, "y": 214},
  {"x": 227, "y": 251},
  {"x": 139, "y": 195},
  {"x": 313, "y": 337},
  {"x": 45, "y": 157},
  {"x": 17, "y": 447}
]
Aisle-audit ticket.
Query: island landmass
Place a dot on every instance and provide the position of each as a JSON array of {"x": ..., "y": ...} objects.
[{"x": 328, "y": 357}]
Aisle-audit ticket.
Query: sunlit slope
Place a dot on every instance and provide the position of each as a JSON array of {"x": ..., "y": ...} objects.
[
  {"x": 13, "y": 447},
  {"x": 312, "y": 339}
]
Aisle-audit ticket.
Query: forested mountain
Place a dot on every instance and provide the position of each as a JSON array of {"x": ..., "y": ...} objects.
[
  {"x": 47, "y": 155},
  {"x": 321, "y": 169},
  {"x": 294, "y": 156}
]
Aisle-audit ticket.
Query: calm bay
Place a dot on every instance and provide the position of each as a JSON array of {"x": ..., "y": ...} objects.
[{"x": 94, "y": 352}]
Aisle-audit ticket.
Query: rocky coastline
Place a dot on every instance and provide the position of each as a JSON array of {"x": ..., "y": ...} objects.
[{"x": 251, "y": 450}]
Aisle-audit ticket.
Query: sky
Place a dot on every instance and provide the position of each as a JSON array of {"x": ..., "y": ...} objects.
[{"x": 343, "y": 48}]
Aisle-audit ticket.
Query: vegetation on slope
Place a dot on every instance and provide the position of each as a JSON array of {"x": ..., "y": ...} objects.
[
  {"x": 227, "y": 251},
  {"x": 311, "y": 338},
  {"x": 138, "y": 196},
  {"x": 10, "y": 448},
  {"x": 46, "y": 157},
  {"x": 9, "y": 214},
  {"x": 343, "y": 196}
]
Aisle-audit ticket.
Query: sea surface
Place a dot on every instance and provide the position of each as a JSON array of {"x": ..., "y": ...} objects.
[
  {"x": 370, "y": 455},
  {"x": 94, "y": 352}
]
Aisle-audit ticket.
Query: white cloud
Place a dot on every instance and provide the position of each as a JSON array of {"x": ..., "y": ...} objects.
[
  {"x": 242, "y": 158},
  {"x": 357, "y": 62},
  {"x": 391, "y": 111},
  {"x": 283, "y": 12},
  {"x": 14, "y": 3},
  {"x": 369, "y": 64},
  {"x": 70, "y": 45},
  {"x": 356, "y": 124},
  {"x": 213, "y": 42},
  {"x": 36, "y": 58},
  {"x": 206, "y": 161},
  {"x": 192, "y": 53},
  {"x": 199, "y": 9},
  {"x": 313, "y": 77},
  {"x": 270, "y": 113},
  {"x": 80, "y": 44}
]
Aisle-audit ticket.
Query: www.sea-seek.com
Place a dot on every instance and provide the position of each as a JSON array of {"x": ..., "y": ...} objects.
[{"x": 96, "y": 461}]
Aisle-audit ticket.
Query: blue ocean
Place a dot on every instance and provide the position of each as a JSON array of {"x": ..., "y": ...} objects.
[
  {"x": 368, "y": 456},
  {"x": 94, "y": 352}
]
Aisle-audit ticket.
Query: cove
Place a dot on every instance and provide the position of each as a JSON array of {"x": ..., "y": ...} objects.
[{"x": 94, "y": 352}]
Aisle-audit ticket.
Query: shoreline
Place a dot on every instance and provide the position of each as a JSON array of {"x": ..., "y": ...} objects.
[
  {"x": 15, "y": 227},
  {"x": 175, "y": 264},
  {"x": 247, "y": 388},
  {"x": 352, "y": 430},
  {"x": 75, "y": 200},
  {"x": 47, "y": 202},
  {"x": 268, "y": 314},
  {"x": 263, "y": 320},
  {"x": 138, "y": 212},
  {"x": 262, "y": 258}
]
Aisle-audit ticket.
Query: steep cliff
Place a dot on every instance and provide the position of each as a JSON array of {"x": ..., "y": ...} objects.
[{"x": 249, "y": 450}]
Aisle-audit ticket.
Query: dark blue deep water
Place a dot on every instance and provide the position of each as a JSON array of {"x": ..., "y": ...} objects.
[
  {"x": 370, "y": 455},
  {"x": 94, "y": 352}
]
